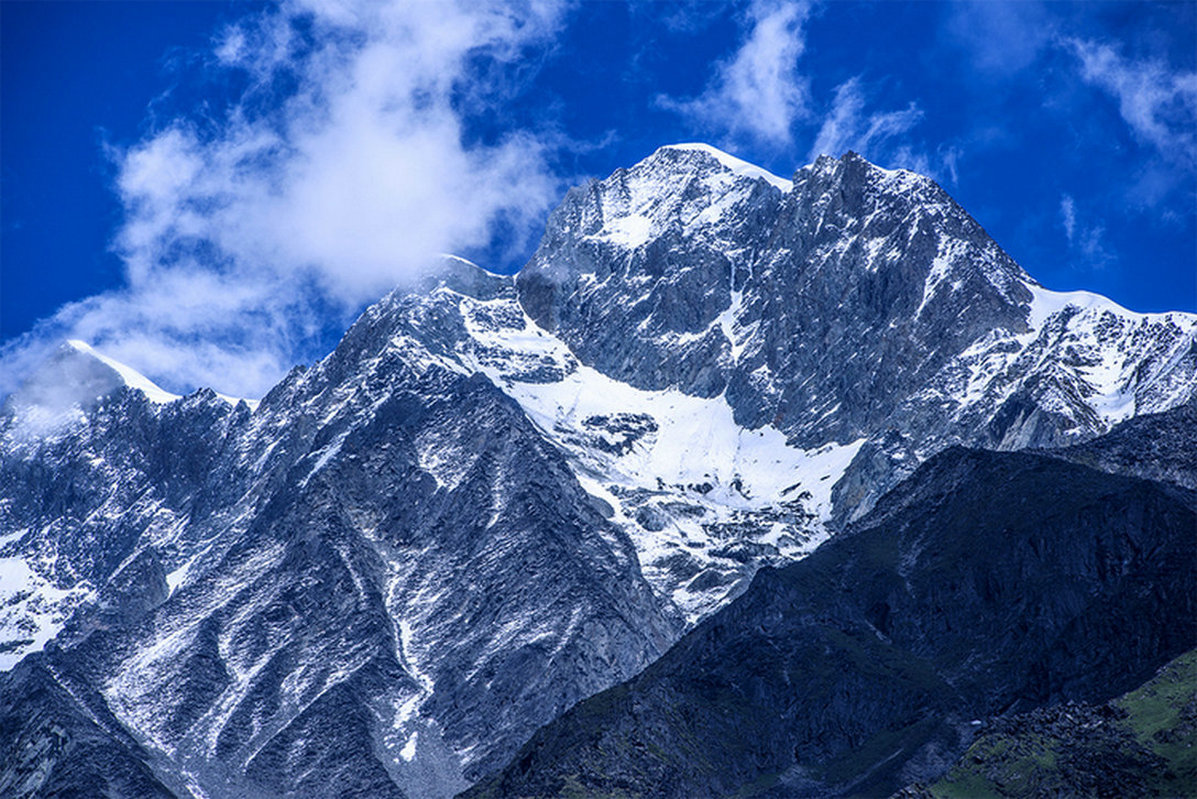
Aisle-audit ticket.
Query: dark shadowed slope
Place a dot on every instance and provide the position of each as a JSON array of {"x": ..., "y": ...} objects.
[{"x": 987, "y": 583}]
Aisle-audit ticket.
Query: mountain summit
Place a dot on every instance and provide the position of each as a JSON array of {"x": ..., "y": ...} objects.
[{"x": 853, "y": 302}]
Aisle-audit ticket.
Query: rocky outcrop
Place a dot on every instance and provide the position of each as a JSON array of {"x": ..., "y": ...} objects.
[{"x": 353, "y": 589}]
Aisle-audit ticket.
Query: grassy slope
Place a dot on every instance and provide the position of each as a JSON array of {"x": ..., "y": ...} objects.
[{"x": 1142, "y": 744}]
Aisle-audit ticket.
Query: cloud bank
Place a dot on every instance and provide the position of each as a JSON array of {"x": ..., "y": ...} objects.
[{"x": 345, "y": 165}]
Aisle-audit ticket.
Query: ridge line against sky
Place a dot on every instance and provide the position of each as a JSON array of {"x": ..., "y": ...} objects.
[{"x": 210, "y": 192}]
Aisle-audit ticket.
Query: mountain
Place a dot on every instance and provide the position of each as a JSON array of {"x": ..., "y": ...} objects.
[
  {"x": 986, "y": 584},
  {"x": 346, "y": 589},
  {"x": 850, "y": 303},
  {"x": 501, "y": 495}
]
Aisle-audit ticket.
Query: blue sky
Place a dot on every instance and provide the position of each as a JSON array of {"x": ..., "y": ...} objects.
[{"x": 211, "y": 191}]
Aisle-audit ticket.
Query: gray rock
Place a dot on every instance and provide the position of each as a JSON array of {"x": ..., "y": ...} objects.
[{"x": 367, "y": 595}]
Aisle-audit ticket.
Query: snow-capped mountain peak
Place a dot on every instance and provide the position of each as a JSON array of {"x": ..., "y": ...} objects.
[
  {"x": 75, "y": 377},
  {"x": 862, "y": 299},
  {"x": 127, "y": 374},
  {"x": 736, "y": 165},
  {"x": 500, "y": 495}
]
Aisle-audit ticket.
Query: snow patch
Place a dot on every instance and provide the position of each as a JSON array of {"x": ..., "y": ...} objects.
[
  {"x": 176, "y": 578},
  {"x": 629, "y": 231},
  {"x": 1046, "y": 303},
  {"x": 409, "y": 749},
  {"x": 727, "y": 323},
  {"x": 32, "y": 610},
  {"x": 136, "y": 380},
  {"x": 736, "y": 165},
  {"x": 405, "y": 639},
  {"x": 251, "y": 403},
  {"x": 132, "y": 378}
]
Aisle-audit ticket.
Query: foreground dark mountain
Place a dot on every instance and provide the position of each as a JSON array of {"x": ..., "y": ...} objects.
[
  {"x": 989, "y": 583},
  {"x": 499, "y": 496}
]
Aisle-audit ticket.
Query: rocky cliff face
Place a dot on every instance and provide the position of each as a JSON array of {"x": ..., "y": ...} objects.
[
  {"x": 500, "y": 496},
  {"x": 793, "y": 296},
  {"x": 353, "y": 588},
  {"x": 851, "y": 302}
]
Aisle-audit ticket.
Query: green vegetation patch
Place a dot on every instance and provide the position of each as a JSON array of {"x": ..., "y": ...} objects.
[
  {"x": 1141, "y": 744},
  {"x": 1162, "y": 714}
]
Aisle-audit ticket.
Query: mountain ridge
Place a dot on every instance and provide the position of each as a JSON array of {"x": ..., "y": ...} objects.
[{"x": 500, "y": 495}]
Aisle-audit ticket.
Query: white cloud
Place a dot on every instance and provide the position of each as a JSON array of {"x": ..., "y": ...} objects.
[
  {"x": 759, "y": 92},
  {"x": 340, "y": 172},
  {"x": 949, "y": 156},
  {"x": 759, "y": 95},
  {"x": 1158, "y": 103},
  {"x": 848, "y": 127},
  {"x": 1095, "y": 253}
]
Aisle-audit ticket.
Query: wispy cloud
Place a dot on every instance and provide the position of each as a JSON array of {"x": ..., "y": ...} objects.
[
  {"x": 848, "y": 127},
  {"x": 758, "y": 92},
  {"x": 1068, "y": 216},
  {"x": 344, "y": 168},
  {"x": 761, "y": 96},
  {"x": 1157, "y": 102},
  {"x": 1095, "y": 252},
  {"x": 999, "y": 38},
  {"x": 1086, "y": 242}
]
